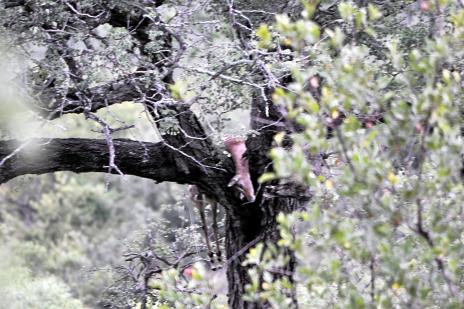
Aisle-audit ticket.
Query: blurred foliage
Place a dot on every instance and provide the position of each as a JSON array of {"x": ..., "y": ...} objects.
[
  {"x": 69, "y": 227},
  {"x": 21, "y": 289},
  {"x": 384, "y": 228}
]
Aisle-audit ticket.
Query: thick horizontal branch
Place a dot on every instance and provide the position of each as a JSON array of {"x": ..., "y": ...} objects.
[
  {"x": 13, "y": 3},
  {"x": 149, "y": 160}
]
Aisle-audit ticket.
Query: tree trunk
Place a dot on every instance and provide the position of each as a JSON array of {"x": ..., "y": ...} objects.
[{"x": 244, "y": 232}]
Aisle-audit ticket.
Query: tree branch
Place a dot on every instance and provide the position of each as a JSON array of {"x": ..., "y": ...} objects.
[
  {"x": 149, "y": 160},
  {"x": 93, "y": 99}
]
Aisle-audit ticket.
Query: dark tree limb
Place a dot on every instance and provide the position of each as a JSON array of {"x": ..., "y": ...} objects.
[
  {"x": 157, "y": 161},
  {"x": 149, "y": 160},
  {"x": 13, "y": 3},
  {"x": 114, "y": 92}
]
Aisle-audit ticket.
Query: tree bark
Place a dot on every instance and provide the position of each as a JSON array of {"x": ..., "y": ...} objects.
[
  {"x": 154, "y": 161},
  {"x": 243, "y": 234}
]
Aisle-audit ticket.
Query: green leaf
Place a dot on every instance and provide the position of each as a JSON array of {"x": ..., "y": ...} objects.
[
  {"x": 264, "y": 35},
  {"x": 346, "y": 10},
  {"x": 267, "y": 177},
  {"x": 374, "y": 12}
]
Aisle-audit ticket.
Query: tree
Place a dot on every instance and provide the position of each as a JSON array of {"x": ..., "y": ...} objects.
[
  {"x": 80, "y": 46},
  {"x": 90, "y": 55}
]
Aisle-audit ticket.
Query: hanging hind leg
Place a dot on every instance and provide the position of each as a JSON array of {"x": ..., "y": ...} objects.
[
  {"x": 215, "y": 210},
  {"x": 204, "y": 226}
]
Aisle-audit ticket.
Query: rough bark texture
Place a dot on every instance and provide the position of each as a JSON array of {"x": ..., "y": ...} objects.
[
  {"x": 149, "y": 160},
  {"x": 243, "y": 231},
  {"x": 243, "y": 234}
]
